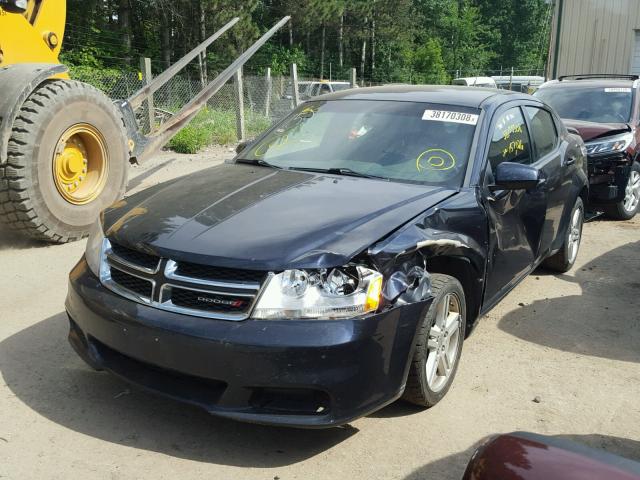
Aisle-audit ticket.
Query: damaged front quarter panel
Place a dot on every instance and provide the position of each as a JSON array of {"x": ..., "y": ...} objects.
[
  {"x": 410, "y": 283},
  {"x": 451, "y": 239}
]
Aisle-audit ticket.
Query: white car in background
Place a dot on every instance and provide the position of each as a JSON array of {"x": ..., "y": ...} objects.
[
  {"x": 486, "y": 82},
  {"x": 309, "y": 89}
]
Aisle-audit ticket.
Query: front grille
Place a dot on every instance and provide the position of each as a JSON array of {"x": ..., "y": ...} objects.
[
  {"x": 184, "y": 287},
  {"x": 209, "y": 301},
  {"x": 135, "y": 257},
  {"x": 137, "y": 285},
  {"x": 221, "y": 274}
]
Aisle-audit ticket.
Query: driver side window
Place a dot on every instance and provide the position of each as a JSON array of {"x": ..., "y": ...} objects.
[{"x": 510, "y": 139}]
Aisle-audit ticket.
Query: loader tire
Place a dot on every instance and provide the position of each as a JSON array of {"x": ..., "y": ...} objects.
[{"x": 67, "y": 159}]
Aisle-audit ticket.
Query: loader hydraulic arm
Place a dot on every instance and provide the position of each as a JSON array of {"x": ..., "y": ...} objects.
[{"x": 31, "y": 31}]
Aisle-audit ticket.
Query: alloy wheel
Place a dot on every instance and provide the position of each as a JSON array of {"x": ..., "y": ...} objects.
[
  {"x": 575, "y": 232},
  {"x": 443, "y": 343},
  {"x": 632, "y": 192}
]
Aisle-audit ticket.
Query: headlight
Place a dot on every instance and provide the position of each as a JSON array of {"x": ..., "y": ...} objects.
[
  {"x": 617, "y": 143},
  {"x": 333, "y": 293},
  {"x": 95, "y": 246}
]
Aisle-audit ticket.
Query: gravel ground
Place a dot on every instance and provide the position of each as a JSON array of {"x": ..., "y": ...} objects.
[{"x": 572, "y": 341}]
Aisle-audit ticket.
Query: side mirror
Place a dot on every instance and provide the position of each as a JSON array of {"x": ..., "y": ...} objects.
[
  {"x": 243, "y": 144},
  {"x": 515, "y": 176}
]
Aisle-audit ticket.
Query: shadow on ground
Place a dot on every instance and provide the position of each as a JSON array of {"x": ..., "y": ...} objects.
[
  {"x": 604, "y": 321},
  {"x": 10, "y": 239},
  {"x": 41, "y": 369},
  {"x": 452, "y": 467}
]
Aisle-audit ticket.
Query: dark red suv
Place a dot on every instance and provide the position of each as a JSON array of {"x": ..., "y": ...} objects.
[{"x": 605, "y": 111}]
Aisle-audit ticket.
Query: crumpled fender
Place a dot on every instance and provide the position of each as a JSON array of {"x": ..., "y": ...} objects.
[
  {"x": 409, "y": 284},
  {"x": 403, "y": 256}
]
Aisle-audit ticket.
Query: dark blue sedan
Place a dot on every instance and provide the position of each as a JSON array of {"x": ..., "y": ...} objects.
[{"x": 339, "y": 261}]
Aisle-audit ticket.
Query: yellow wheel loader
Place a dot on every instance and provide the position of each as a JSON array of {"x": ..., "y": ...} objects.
[{"x": 65, "y": 147}]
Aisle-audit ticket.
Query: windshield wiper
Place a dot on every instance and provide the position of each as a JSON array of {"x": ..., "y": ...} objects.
[
  {"x": 338, "y": 171},
  {"x": 257, "y": 161}
]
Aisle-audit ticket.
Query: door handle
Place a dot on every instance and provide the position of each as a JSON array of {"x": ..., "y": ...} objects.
[{"x": 571, "y": 159}]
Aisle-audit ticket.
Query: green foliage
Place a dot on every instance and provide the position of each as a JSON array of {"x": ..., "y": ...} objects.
[
  {"x": 215, "y": 127},
  {"x": 280, "y": 58},
  {"x": 87, "y": 57},
  {"x": 191, "y": 139},
  {"x": 428, "y": 63},
  {"x": 397, "y": 36}
]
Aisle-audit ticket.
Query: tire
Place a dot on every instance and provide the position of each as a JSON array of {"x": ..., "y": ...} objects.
[
  {"x": 563, "y": 260},
  {"x": 422, "y": 390},
  {"x": 31, "y": 195},
  {"x": 619, "y": 211}
]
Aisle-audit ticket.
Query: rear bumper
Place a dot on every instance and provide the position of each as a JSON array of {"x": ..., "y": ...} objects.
[{"x": 308, "y": 373}]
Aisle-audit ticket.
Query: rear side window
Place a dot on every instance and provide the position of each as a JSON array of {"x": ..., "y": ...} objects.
[
  {"x": 510, "y": 139},
  {"x": 543, "y": 130}
]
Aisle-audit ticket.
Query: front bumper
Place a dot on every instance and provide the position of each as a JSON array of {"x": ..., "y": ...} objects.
[
  {"x": 310, "y": 373},
  {"x": 608, "y": 177}
]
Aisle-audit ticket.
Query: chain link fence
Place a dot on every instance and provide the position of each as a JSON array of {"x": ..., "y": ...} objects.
[{"x": 265, "y": 98}]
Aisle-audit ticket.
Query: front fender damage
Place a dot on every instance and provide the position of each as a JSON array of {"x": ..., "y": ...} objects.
[
  {"x": 410, "y": 283},
  {"x": 403, "y": 257}
]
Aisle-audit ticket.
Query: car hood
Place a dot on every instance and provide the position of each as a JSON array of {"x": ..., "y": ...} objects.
[
  {"x": 261, "y": 218},
  {"x": 590, "y": 130}
]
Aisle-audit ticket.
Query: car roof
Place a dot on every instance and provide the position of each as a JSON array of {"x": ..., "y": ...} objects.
[
  {"x": 591, "y": 82},
  {"x": 444, "y": 94}
]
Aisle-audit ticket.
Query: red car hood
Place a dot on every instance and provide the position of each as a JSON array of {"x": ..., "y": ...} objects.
[
  {"x": 589, "y": 130},
  {"x": 528, "y": 456}
]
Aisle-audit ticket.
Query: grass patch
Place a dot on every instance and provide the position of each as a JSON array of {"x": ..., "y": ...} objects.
[{"x": 215, "y": 127}]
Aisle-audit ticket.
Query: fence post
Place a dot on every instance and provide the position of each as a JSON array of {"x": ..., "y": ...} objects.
[
  {"x": 354, "y": 82},
  {"x": 294, "y": 85},
  {"x": 267, "y": 100},
  {"x": 145, "y": 68},
  {"x": 237, "y": 83}
]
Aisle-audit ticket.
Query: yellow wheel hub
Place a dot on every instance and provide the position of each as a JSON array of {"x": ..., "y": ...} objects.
[{"x": 80, "y": 164}]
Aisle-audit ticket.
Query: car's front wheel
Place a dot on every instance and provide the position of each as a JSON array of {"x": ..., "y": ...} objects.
[
  {"x": 438, "y": 343},
  {"x": 627, "y": 208}
]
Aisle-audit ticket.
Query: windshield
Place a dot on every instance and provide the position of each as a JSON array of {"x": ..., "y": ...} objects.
[
  {"x": 399, "y": 141},
  {"x": 590, "y": 104}
]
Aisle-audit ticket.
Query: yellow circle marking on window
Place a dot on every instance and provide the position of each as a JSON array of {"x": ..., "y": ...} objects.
[{"x": 435, "y": 159}]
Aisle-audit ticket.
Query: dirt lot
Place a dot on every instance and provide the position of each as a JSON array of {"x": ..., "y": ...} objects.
[{"x": 572, "y": 340}]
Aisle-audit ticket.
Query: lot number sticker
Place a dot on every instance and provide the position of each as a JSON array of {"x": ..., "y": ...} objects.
[
  {"x": 449, "y": 116},
  {"x": 617, "y": 90}
]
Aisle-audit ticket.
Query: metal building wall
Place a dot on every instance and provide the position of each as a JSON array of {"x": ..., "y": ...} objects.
[{"x": 596, "y": 36}]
